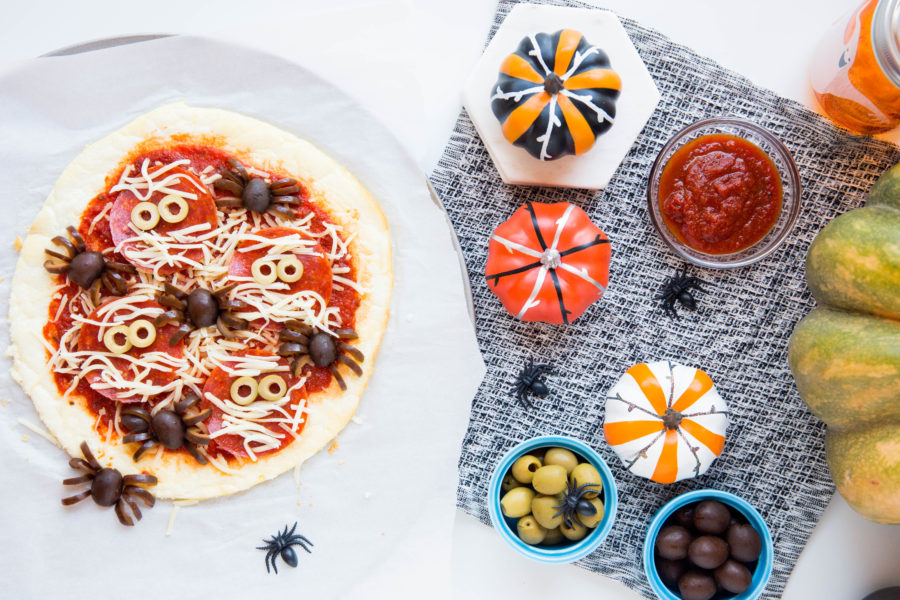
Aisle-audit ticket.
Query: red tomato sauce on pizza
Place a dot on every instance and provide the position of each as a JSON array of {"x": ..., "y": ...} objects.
[{"x": 174, "y": 216}]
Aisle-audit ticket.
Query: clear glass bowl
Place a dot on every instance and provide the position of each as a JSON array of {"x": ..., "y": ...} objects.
[{"x": 790, "y": 184}]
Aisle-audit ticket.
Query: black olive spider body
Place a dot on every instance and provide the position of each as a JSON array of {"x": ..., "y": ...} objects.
[
  {"x": 574, "y": 502},
  {"x": 678, "y": 289},
  {"x": 280, "y": 545},
  {"x": 530, "y": 381}
]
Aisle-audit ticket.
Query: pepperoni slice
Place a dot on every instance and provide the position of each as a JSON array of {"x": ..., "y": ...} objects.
[
  {"x": 128, "y": 365},
  {"x": 200, "y": 210},
  {"x": 316, "y": 269},
  {"x": 218, "y": 384}
]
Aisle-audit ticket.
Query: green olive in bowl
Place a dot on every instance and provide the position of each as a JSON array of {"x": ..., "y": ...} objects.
[
  {"x": 509, "y": 482},
  {"x": 554, "y": 536},
  {"x": 550, "y": 479},
  {"x": 573, "y": 533},
  {"x": 525, "y": 467},
  {"x": 591, "y": 521},
  {"x": 544, "y": 508},
  {"x": 530, "y": 530},
  {"x": 517, "y": 502},
  {"x": 562, "y": 457},
  {"x": 586, "y": 473}
]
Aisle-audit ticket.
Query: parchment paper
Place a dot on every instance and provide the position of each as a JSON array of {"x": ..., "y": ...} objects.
[{"x": 379, "y": 508}]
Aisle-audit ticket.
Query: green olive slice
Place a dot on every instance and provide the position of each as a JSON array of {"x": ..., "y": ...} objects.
[
  {"x": 145, "y": 215},
  {"x": 290, "y": 269},
  {"x": 244, "y": 390},
  {"x": 272, "y": 387},
  {"x": 141, "y": 333},
  {"x": 173, "y": 209},
  {"x": 264, "y": 272},
  {"x": 116, "y": 339}
]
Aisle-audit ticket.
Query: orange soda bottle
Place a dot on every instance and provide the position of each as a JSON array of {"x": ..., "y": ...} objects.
[{"x": 856, "y": 71}]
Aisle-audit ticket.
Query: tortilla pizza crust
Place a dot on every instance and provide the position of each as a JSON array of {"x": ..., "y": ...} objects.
[{"x": 252, "y": 142}]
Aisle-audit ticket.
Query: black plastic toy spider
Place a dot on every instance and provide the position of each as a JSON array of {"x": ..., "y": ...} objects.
[
  {"x": 171, "y": 429},
  {"x": 323, "y": 349},
  {"x": 281, "y": 545},
  {"x": 254, "y": 193},
  {"x": 529, "y": 381},
  {"x": 575, "y": 502},
  {"x": 83, "y": 267},
  {"x": 678, "y": 289}
]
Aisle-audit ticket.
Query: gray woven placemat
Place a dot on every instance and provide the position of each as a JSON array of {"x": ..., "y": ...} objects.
[{"x": 774, "y": 456}]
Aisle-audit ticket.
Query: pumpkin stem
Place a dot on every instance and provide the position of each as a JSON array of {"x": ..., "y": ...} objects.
[
  {"x": 551, "y": 258},
  {"x": 672, "y": 419},
  {"x": 553, "y": 84}
]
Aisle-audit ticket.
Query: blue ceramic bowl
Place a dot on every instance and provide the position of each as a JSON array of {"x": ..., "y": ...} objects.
[
  {"x": 562, "y": 553},
  {"x": 763, "y": 567}
]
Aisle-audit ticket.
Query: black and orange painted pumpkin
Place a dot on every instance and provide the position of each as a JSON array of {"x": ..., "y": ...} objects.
[
  {"x": 556, "y": 93},
  {"x": 548, "y": 262}
]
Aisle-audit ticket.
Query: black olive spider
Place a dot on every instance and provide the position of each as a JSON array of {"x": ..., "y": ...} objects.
[
  {"x": 281, "y": 545},
  {"x": 530, "y": 381},
  {"x": 83, "y": 267},
  {"x": 574, "y": 502},
  {"x": 171, "y": 428},
  {"x": 678, "y": 289},
  {"x": 108, "y": 487},
  {"x": 281, "y": 197}
]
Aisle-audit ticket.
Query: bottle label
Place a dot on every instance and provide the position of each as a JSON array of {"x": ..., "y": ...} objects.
[
  {"x": 835, "y": 55},
  {"x": 830, "y": 72}
]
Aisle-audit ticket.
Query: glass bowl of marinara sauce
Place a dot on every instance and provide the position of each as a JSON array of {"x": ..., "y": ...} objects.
[{"x": 724, "y": 193}]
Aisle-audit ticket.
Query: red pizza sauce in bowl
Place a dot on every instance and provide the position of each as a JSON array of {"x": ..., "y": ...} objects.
[{"x": 724, "y": 193}]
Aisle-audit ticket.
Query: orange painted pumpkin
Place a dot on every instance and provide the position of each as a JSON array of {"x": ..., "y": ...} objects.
[
  {"x": 555, "y": 94},
  {"x": 548, "y": 262},
  {"x": 666, "y": 422}
]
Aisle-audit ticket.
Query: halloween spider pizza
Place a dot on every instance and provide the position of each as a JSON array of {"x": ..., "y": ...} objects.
[{"x": 200, "y": 299}]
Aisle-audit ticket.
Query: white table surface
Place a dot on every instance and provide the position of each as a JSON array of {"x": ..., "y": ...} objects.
[{"x": 434, "y": 43}]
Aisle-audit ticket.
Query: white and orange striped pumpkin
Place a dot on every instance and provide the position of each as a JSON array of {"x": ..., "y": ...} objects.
[{"x": 666, "y": 422}]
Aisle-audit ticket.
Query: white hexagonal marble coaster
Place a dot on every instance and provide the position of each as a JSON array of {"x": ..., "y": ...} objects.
[{"x": 639, "y": 97}]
